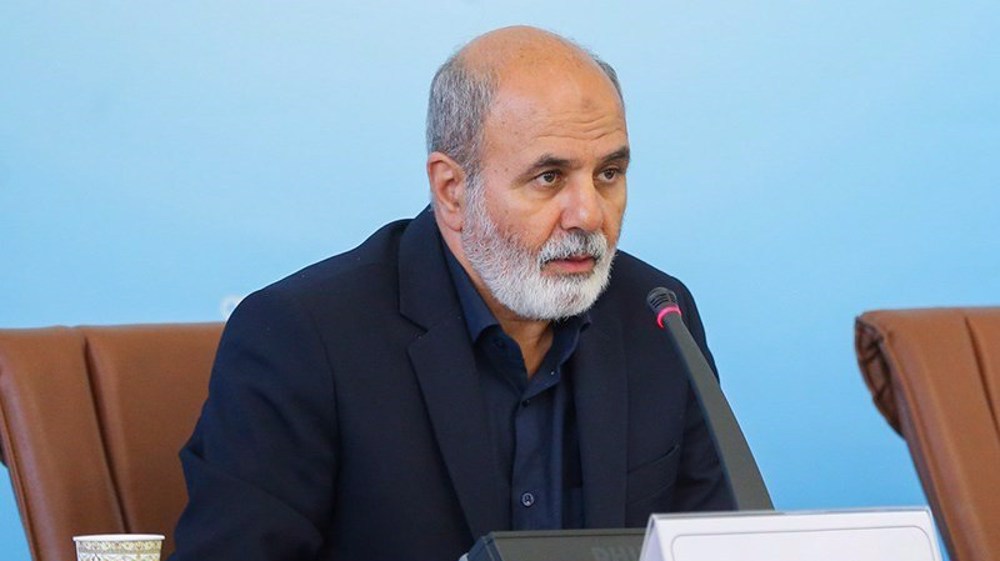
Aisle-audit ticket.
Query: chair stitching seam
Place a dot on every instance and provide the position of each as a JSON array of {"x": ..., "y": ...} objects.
[
  {"x": 977, "y": 352},
  {"x": 101, "y": 424}
]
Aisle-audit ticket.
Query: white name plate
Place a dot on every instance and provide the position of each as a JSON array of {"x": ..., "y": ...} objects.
[{"x": 865, "y": 535}]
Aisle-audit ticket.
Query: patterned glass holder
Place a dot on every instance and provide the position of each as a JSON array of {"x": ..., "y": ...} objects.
[{"x": 118, "y": 547}]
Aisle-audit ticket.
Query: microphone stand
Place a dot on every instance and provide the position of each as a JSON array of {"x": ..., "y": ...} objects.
[{"x": 737, "y": 461}]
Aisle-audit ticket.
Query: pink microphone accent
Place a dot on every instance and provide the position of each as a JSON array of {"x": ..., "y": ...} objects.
[{"x": 673, "y": 308}]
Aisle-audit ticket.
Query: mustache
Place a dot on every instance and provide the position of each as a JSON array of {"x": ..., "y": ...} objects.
[{"x": 574, "y": 244}]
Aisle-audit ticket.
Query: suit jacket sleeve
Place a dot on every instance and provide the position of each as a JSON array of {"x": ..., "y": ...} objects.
[{"x": 261, "y": 464}]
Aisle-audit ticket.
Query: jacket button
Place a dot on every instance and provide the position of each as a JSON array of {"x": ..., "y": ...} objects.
[{"x": 527, "y": 499}]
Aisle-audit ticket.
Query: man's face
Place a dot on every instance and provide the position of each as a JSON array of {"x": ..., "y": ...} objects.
[{"x": 544, "y": 215}]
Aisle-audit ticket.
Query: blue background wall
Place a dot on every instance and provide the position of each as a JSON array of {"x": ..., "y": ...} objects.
[{"x": 795, "y": 163}]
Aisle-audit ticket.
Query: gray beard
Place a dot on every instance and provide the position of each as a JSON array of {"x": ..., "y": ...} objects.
[{"x": 513, "y": 272}]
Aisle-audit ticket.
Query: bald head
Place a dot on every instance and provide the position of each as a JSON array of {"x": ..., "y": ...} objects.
[
  {"x": 464, "y": 88},
  {"x": 521, "y": 48}
]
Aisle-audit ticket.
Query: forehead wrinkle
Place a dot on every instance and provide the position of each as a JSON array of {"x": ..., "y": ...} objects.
[
  {"x": 575, "y": 89},
  {"x": 596, "y": 127},
  {"x": 600, "y": 134},
  {"x": 590, "y": 130},
  {"x": 534, "y": 121}
]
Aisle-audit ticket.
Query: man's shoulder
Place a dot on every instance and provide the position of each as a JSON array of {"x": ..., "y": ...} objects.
[
  {"x": 373, "y": 256},
  {"x": 632, "y": 275},
  {"x": 631, "y": 280},
  {"x": 354, "y": 278}
]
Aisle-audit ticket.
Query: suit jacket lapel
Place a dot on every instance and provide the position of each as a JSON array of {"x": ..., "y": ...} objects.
[
  {"x": 446, "y": 371},
  {"x": 601, "y": 398}
]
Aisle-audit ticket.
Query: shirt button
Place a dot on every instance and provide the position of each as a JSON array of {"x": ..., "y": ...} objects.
[
  {"x": 526, "y": 403},
  {"x": 527, "y": 499},
  {"x": 552, "y": 373}
]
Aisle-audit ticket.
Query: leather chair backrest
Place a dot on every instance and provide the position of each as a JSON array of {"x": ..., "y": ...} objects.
[
  {"x": 935, "y": 376},
  {"x": 91, "y": 421}
]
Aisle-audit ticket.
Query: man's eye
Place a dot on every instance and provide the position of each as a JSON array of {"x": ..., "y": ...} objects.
[
  {"x": 610, "y": 174},
  {"x": 549, "y": 177}
]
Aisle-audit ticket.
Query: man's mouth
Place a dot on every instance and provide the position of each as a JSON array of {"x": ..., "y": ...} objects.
[{"x": 571, "y": 264}]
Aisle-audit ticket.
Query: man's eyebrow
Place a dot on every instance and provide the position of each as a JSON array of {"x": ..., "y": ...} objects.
[
  {"x": 553, "y": 161},
  {"x": 621, "y": 154},
  {"x": 550, "y": 161}
]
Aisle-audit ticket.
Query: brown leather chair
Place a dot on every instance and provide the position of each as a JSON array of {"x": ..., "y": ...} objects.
[
  {"x": 91, "y": 421},
  {"x": 935, "y": 376}
]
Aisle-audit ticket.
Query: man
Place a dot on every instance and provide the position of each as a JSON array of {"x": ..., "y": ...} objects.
[{"x": 477, "y": 368}]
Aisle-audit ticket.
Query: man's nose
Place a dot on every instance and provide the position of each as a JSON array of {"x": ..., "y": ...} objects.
[{"x": 582, "y": 208}]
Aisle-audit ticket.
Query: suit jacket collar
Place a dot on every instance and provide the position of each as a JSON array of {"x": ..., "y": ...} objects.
[
  {"x": 446, "y": 371},
  {"x": 426, "y": 294},
  {"x": 445, "y": 367}
]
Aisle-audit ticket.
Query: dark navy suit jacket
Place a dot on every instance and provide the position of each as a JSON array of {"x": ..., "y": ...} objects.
[{"x": 345, "y": 421}]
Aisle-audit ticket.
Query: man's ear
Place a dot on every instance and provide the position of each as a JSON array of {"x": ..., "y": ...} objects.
[{"x": 447, "y": 181}]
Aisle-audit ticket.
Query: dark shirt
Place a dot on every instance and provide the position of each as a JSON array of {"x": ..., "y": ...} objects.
[{"x": 532, "y": 419}]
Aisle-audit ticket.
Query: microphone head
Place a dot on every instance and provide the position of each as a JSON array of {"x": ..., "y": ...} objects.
[{"x": 660, "y": 298}]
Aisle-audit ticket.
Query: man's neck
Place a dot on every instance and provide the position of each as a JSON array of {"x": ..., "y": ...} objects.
[{"x": 533, "y": 336}]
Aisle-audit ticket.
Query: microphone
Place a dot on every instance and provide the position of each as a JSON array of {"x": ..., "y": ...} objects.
[{"x": 737, "y": 461}]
